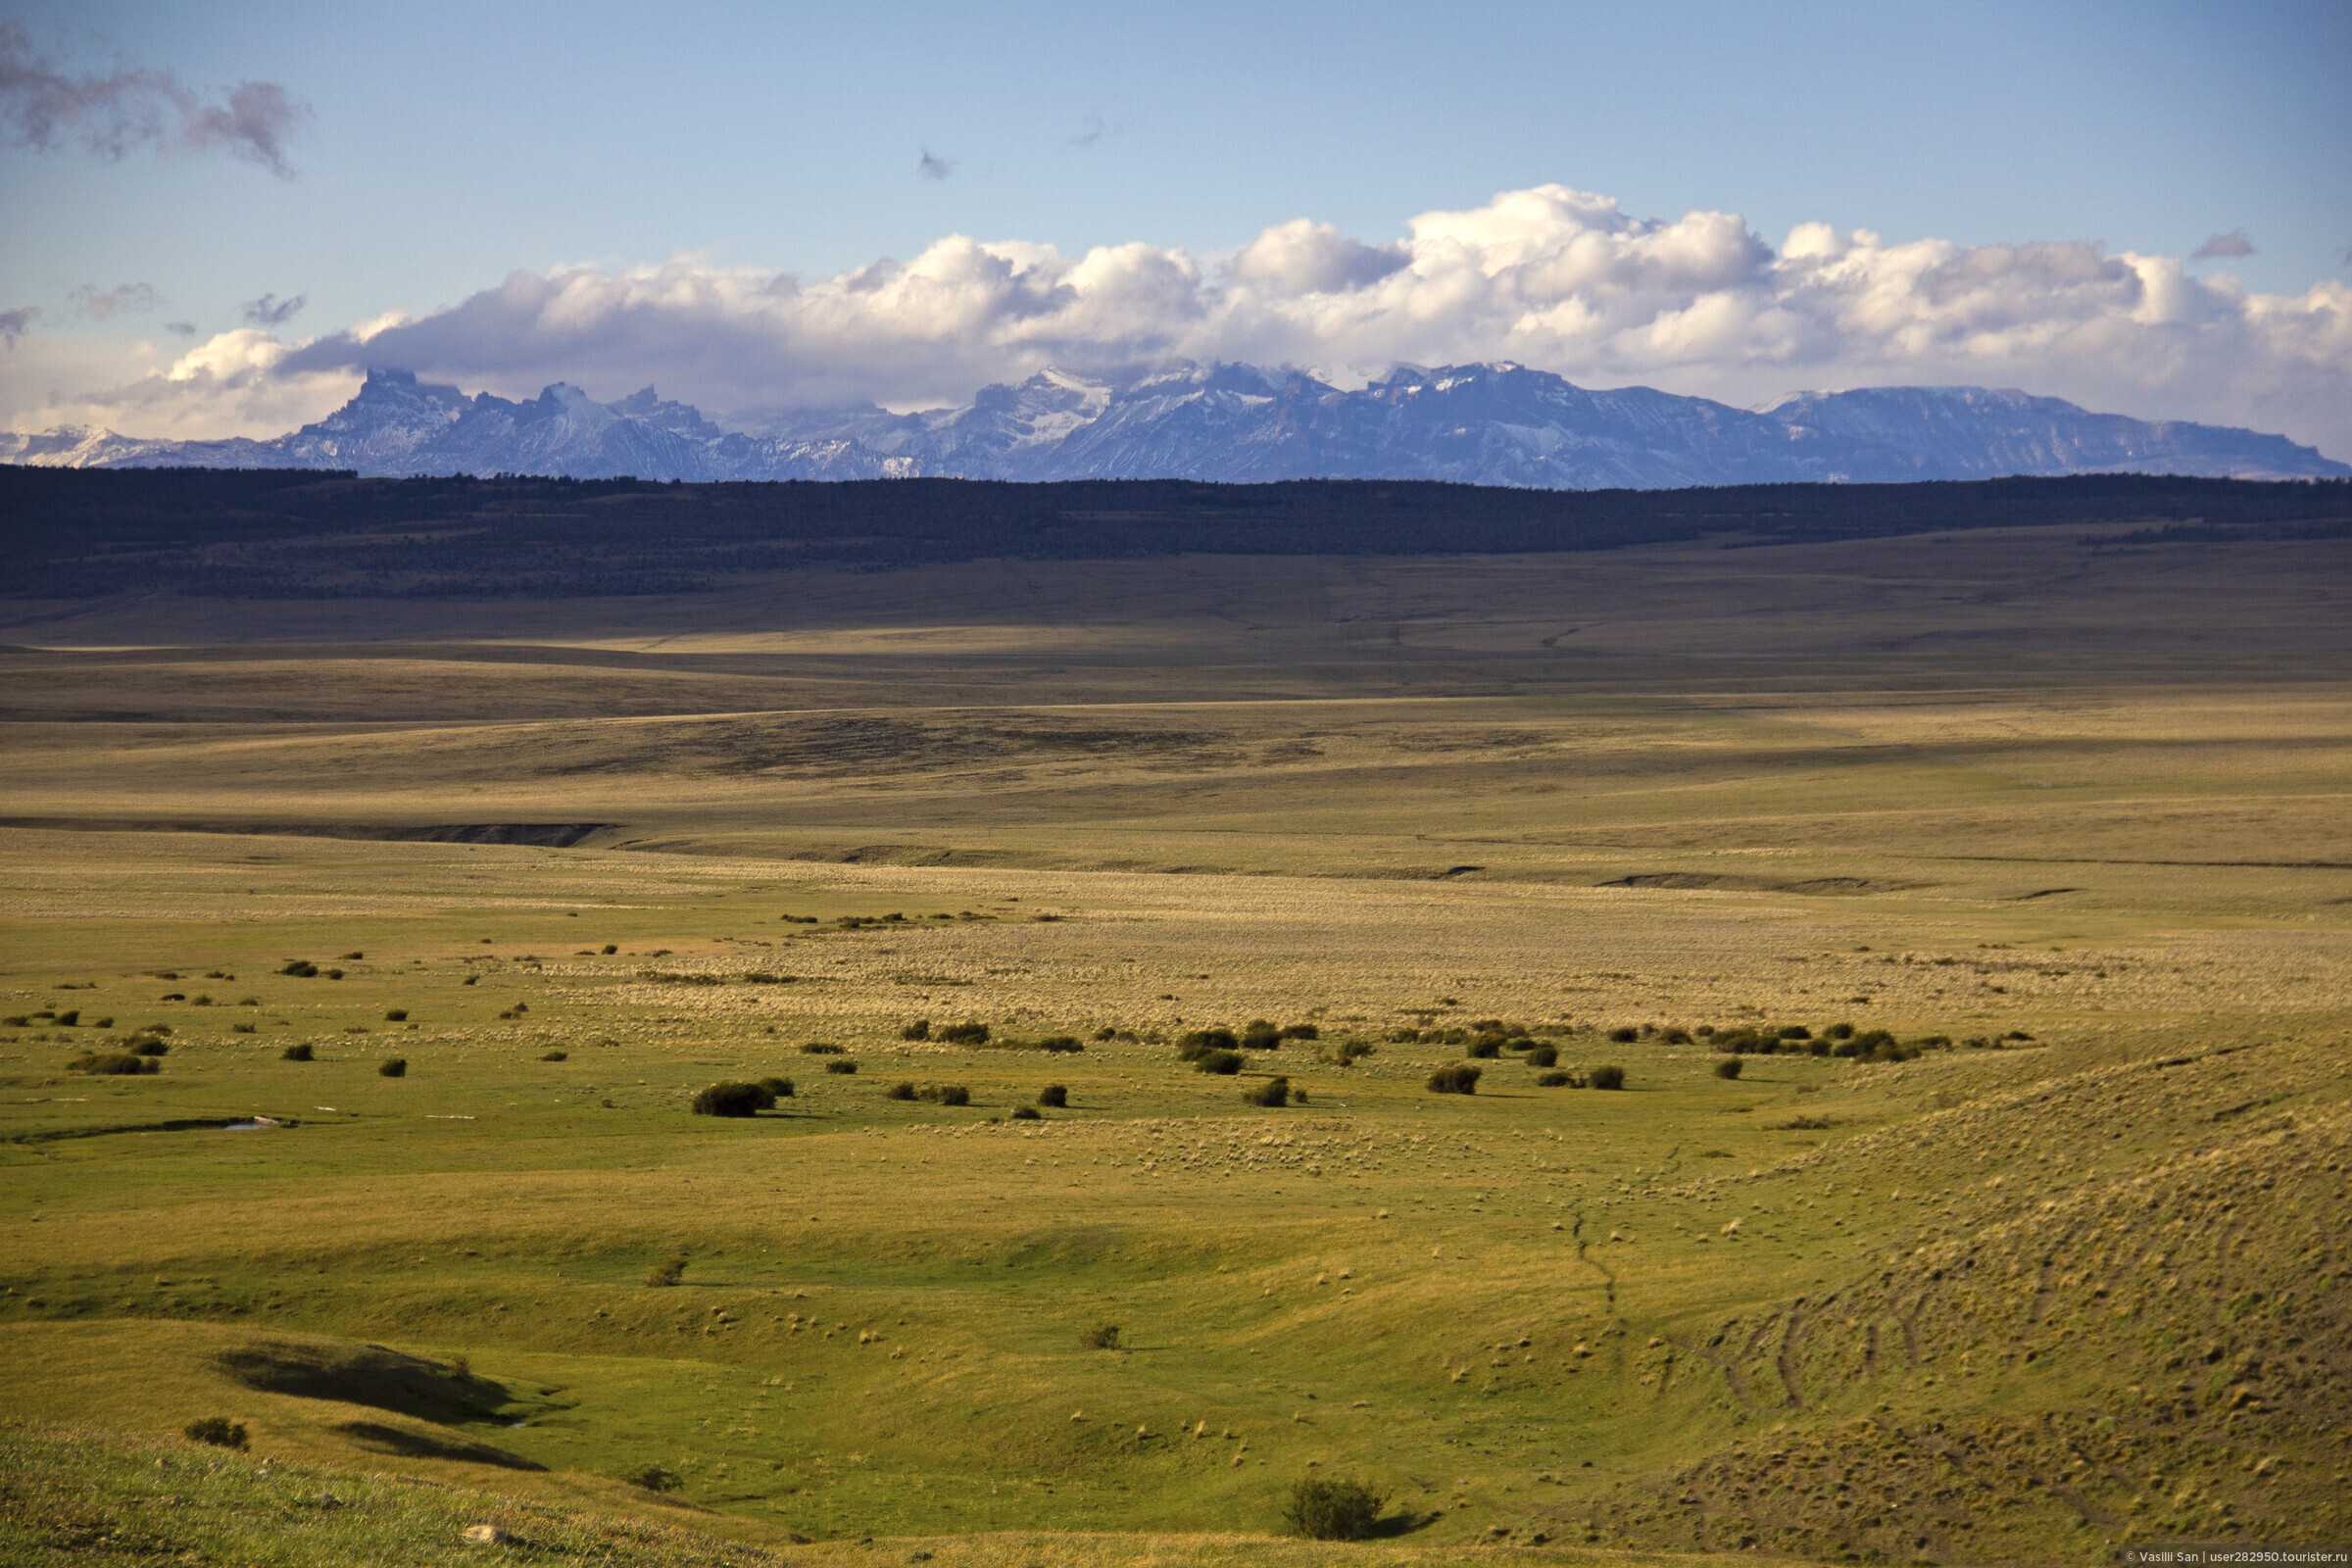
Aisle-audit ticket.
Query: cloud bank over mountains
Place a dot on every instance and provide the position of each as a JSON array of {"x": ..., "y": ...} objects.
[{"x": 1556, "y": 278}]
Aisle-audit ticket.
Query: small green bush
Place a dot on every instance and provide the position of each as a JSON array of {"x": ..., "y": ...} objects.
[
  {"x": 733, "y": 1100},
  {"x": 113, "y": 1064},
  {"x": 841, "y": 1065},
  {"x": 1102, "y": 1336},
  {"x": 1455, "y": 1078},
  {"x": 818, "y": 1047},
  {"x": 898, "y": 1090},
  {"x": 1543, "y": 1056},
  {"x": 1224, "y": 1063},
  {"x": 1608, "y": 1077},
  {"x": 1026, "y": 1113},
  {"x": 948, "y": 1094},
  {"x": 1485, "y": 1047},
  {"x": 1625, "y": 1036},
  {"x": 300, "y": 969},
  {"x": 218, "y": 1429},
  {"x": 969, "y": 1033},
  {"x": 393, "y": 1068},
  {"x": 555, "y": 1056},
  {"x": 1332, "y": 1510},
  {"x": 921, "y": 1029},
  {"x": 1729, "y": 1068},
  {"x": 302, "y": 1052},
  {"x": 1273, "y": 1091},
  {"x": 1559, "y": 1080},
  {"x": 1197, "y": 1042},
  {"x": 1054, "y": 1095},
  {"x": 781, "y": 1088},
  {"x": 397, "y": 1015},
  {"x": 653, "y": 1478},
  {"x": 1261, "y": 1035},
  {"x": 149, "y": 1046}
]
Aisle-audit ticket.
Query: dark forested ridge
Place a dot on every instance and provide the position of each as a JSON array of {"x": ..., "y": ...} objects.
[{"x": 272, "y": 535}]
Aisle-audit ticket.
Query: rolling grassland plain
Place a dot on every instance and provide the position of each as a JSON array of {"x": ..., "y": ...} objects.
[{"x": 2072, "y": 818}]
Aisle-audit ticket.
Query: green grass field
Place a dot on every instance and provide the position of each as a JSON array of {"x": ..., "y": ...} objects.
[{"x": 2074, "y": 1278}]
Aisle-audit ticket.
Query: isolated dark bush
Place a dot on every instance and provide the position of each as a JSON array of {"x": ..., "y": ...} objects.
[
  {"x": 397, "y": 1015},
  {"x": 113, "y": 1064},
  {"x": 69, "y": 1017},
  {"x": 1625, "y": 1037},
  {"x": 948, "y": 1094},
  {"x": 781, "y": 1088},
  {"x": 971, "y": 1033},
  {"x": 1729, "y": 1068},
  {"x": 218, "y": 1429},
  {"x": 1543, "y": 1056},
  {"x": 921, "y": 1029},
  {"x": 1485, "y": 1047},
  {"x": 733, "y": 1100},
  {"x": 898, "y": 1090},
  {"x": 1061, "y": 1045},
  {"x": 1199, "y": 1043},
  {"x": 149, "y": 1046},
  {"x": 300, "y": 969},
  {"x": 1608, "y": 1077},
  {"x": 841, "y": 1064},
  {"x": 1301, "y": 1031},
  {"x": 1225, "y": 1062},
  {"x": 1332, "y": 1510},
  {"x": 1559, "y": 1080},
  {"x": 1676, "y": 1037},
  {"x": 1026, "y": 1113},
  {"x": 1054, "y": 1095},
  {"x": 818, "y": 1047},
  {"x": 555, "y": 1055},
  {"x": 1261, "y": 1035},
  {"x": 1101, "y": 1337},
  {"x": 393, "y": 1068},
  {"x": 653, "y": 1478},
  {"x": 1840, "y": 1031},
  {"x": 1455, "y": 1078},
  {"x": 301, "y": 1052},
  {"x": 1273, "y": 1091}
]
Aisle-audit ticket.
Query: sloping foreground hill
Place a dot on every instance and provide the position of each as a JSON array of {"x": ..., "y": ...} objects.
[
  {"x": 2127, "y": 1323},
  {"x": 80, "y": 1500}
]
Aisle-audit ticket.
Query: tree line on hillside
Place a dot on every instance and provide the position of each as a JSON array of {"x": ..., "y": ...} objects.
[{"x": 71, "y": 534}]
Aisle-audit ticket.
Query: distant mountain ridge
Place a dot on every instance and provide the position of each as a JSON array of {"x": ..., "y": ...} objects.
[{"x": 1492, "y": 424}]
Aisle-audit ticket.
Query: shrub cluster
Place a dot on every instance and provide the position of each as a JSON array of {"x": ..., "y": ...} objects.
[
  {"x": 1054, "y": 1095},
  {"x": 939, "y": 1094},
  {"x": 1332, "y": 1510},
  {"x": 734, "y": 1100},
  {"x": 218, "y": 1429},
  {"x": 1273, "y": 1091},
  {"x": 113, "y": 1063},
  {"x": 393, "y": 1068},
  {"x": 1455, "y": 1078}
]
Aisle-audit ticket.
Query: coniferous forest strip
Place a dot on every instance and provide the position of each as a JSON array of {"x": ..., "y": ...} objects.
[{"x": 278, "y": 534}]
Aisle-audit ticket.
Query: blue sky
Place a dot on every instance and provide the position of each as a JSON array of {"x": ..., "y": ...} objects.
[{"x": 445, "y": 147}]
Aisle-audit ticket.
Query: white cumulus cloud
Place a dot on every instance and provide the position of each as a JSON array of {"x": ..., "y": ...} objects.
[{"x": 1563, "y": 280}]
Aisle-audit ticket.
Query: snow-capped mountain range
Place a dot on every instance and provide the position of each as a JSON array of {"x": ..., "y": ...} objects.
[{"x": 1471, "y": 424}]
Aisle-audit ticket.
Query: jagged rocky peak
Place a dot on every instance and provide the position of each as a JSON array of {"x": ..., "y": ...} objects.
[{"x": 1491, "y": 422}]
